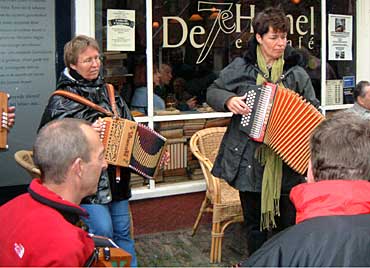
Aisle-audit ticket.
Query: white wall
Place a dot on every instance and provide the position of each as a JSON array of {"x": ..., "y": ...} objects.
[
  {"x": 85, "y": 17},
  {"x": 363, "y": 40}
]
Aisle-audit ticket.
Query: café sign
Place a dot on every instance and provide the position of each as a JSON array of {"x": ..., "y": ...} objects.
[{"x": 228, "y": 21}]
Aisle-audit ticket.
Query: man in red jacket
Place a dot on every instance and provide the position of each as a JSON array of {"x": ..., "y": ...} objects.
[
  {"x": 38, "y": 228},
  {"x": 333, "y": 207}
]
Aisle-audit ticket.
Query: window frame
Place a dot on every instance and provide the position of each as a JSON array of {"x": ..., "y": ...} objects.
[{"x": 85, "y": 24}]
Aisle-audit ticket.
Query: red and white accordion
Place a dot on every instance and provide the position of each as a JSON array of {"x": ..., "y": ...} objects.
[
  {"x": 283, "y": 120},
  {"x": 133, "y": 145},
  {"x": 4, "y": 120}
]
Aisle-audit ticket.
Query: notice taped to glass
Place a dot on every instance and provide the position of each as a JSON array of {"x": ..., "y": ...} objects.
[
  {"x": 120, "y": 30},
  {"x": 340, "y": 37}
]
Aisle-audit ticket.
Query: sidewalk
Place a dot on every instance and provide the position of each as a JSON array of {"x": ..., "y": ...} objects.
[{"x": 179, "y": 249}]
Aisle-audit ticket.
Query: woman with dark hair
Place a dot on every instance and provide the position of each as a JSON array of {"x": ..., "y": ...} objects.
[{"x": 263, "y": 188}]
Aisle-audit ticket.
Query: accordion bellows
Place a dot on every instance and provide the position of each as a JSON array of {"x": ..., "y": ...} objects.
[
  {"x": 283, "y": 120},
  {"x": 133, "y": 145},
  {"x": 4, "y": 120}
]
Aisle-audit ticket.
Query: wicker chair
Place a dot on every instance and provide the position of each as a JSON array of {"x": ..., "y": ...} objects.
[
  {"x": 221, "y": 199},
  {"x": 25, "y": 159}
]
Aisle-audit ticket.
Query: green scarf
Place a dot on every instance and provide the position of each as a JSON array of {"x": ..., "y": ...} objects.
[{"x": 273, "y": 171}]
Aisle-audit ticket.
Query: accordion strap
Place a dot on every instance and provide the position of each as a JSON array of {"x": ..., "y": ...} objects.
[
  {"x": 80, "y": 99},
  {"x": 112, "y": 99}
]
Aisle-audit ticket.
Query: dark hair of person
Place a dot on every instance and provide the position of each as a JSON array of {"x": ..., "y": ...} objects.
[
  {"x": 273, "y": 17},
  {"x": 57, "y": 145},
  {"x": 340, "y": 148},
  {"x": 360, "y": 89}
]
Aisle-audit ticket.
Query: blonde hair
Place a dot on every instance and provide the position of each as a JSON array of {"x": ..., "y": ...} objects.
[{"x": 76, "y": 46}]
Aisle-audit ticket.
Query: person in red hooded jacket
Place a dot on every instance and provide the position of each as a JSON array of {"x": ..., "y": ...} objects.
[
  {"x": 38, "y": 228},
  {"x": 333, "y": 207}
]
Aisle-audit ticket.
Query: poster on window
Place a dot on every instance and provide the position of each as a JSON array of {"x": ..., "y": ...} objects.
[
  {"x": 120, "y": 30},
  {"x": 340, "y": 37}
]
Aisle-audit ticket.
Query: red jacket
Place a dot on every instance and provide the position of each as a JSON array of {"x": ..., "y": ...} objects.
[{"x": 37, "y": 230}]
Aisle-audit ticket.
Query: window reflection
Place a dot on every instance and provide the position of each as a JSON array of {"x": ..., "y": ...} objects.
[{"x": 192, "y": 42}]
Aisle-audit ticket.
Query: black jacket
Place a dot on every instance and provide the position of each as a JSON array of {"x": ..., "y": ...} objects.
[
  {"x": 319, "y": 242},
  {"x": 236, "y": 161},
  {"x": 61, "y": 107},
  {"x": 333, "y": 228}
]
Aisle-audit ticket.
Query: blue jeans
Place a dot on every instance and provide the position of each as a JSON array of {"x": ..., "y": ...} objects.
[{"x": 112, "y": 220}]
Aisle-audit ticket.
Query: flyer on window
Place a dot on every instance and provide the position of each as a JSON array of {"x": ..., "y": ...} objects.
[
  {"x": 334, "y": 92},
  {"x": 120, "y": 30},
  {"x": 340, "y": 37}
]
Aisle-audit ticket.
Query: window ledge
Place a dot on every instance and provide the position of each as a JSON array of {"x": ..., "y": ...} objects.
[{"x": 168, "y": 189}]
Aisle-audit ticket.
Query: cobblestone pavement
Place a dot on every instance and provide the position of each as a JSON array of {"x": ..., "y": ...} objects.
[{"x": 180, "y": 249}]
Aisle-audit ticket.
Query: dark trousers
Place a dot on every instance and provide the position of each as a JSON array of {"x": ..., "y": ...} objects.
[{"x": 251, "y": 204}]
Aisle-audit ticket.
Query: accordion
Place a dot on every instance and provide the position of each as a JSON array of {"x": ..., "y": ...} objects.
[
  {"x": 133, "y": 145},
  {"x": 4, "y": 120},
  {"x": 107, "y": 254},
  {"x": 284, "y": 121},
  {"x": 112, "y": 257}
]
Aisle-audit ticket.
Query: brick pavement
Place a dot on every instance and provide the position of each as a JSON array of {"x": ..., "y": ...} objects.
[{"x": 179, "y": 249}]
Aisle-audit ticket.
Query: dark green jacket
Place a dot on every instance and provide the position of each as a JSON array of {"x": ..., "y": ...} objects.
[
  {"x": 236, "y": 161},
  {"x": 61, "y": 107}
]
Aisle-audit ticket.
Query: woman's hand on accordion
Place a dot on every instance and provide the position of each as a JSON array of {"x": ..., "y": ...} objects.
[{"x": 237, "y": 105}]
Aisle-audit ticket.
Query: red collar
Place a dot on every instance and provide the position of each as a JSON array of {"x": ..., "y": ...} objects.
[
  {"x": 331, "y": 197},
  {"x": 43, "y": 195}
]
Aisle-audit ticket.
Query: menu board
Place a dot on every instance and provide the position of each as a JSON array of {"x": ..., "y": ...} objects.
[{"x": 334, "y": 92}]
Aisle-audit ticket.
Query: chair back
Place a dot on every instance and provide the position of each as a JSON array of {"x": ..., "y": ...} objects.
[
  {"x": 25, "y": 159},
  {"x": 205, "y": 144},
  {"x": 208, "y": 141}
]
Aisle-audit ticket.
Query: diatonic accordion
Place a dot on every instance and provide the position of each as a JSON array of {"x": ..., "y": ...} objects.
[
  {"x": 133, "y": 145},
  {"x": 4, "y": 120},
  {"x": 284, "y": 121},
  {"x": 107, "y": 254},
  {"x": 112, "y": 257}
]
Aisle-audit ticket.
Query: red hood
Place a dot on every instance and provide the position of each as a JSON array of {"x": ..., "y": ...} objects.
[{"x": 331, "y": 197}]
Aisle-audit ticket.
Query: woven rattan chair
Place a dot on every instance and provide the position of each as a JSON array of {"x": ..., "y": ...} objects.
[
  {"x": 221, "y": 199},
  {"x": 25, "y": 159}
]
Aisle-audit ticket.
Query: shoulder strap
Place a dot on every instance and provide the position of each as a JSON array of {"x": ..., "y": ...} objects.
[
  {"x": 112, "y": 99},
  {"x": 82, "y": 100}
]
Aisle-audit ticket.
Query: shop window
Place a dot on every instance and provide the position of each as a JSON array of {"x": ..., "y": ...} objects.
[
  {"x": 199, "y": 38},
  {"x": 341, "y": 53},
  {"x": 121, "y": 57},
  {"x": 192, "y": 42}
]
